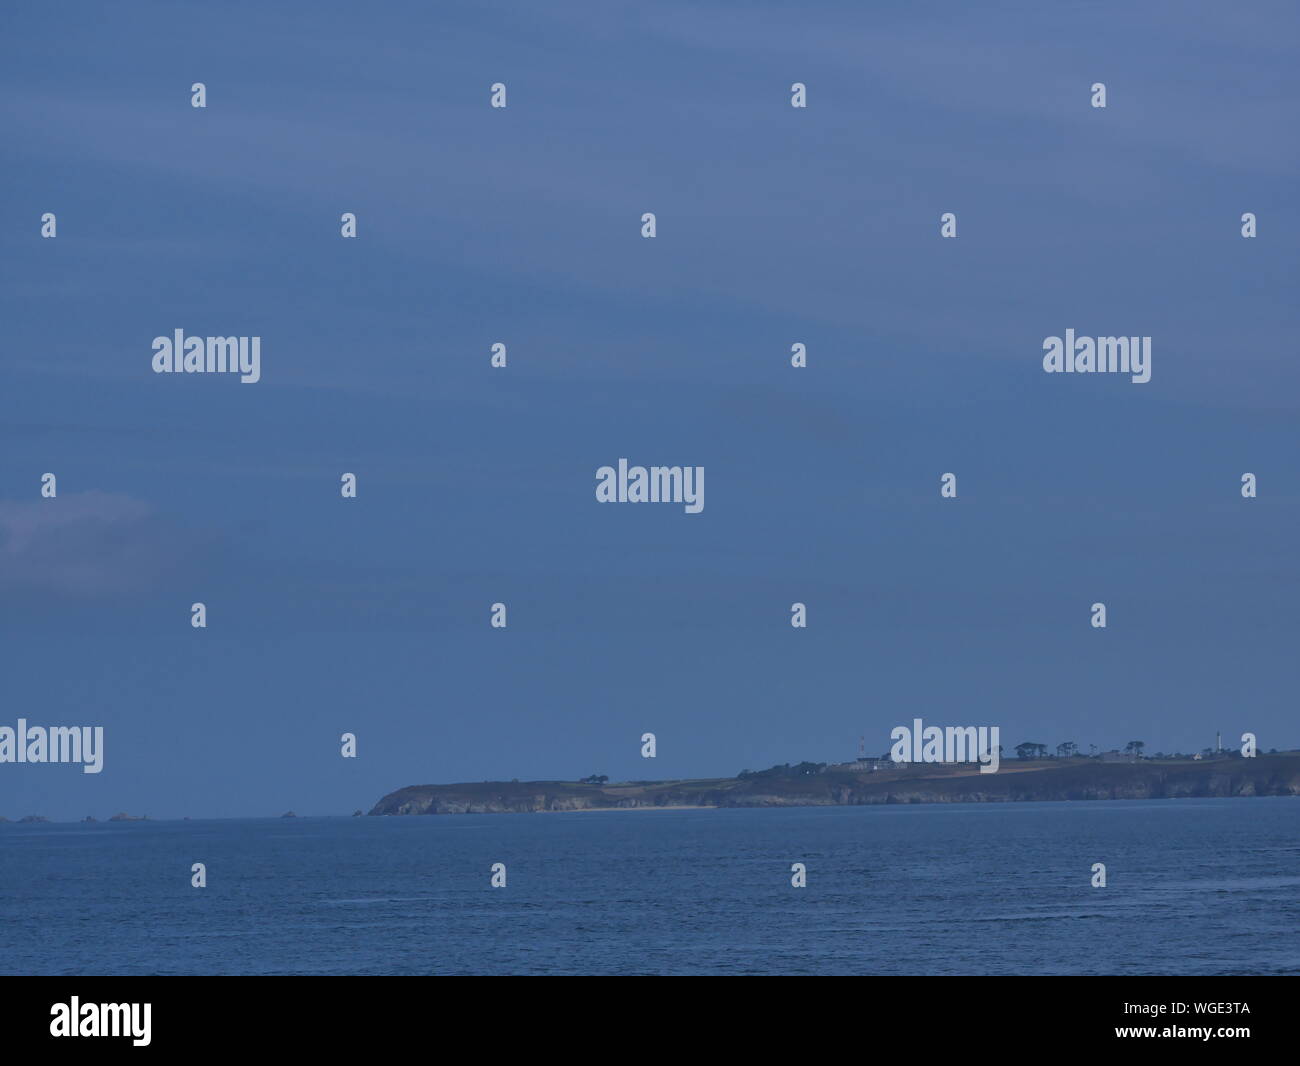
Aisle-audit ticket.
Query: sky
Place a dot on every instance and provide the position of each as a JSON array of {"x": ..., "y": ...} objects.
[{"x": 522, "y": 225}]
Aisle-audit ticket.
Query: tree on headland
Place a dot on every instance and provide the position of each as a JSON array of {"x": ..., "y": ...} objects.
[
  {"x": 1134, "y": 747},
  {"x": 1030, "y": 750},
  {"x": 594, "y": 779},
  {"x": 1066, "y": 750}
]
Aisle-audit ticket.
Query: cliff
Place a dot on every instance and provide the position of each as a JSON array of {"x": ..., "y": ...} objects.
[{"x": 1074, "y": 779}]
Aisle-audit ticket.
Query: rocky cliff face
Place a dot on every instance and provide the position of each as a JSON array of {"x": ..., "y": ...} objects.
[
  {"x": 495, "y": 797},
  {"x": 1266, "y": 775}
]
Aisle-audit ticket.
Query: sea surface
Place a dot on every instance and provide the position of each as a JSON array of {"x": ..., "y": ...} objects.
[{"x": 1193, "y": 887}]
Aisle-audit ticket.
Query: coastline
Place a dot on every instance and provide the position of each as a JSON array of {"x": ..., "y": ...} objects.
[
  {"x": 1083, "y": 778},
  {"x": 661, "y": 807}
]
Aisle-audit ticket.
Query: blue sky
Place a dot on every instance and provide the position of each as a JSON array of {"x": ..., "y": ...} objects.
[{"x": 775, "y": 225}]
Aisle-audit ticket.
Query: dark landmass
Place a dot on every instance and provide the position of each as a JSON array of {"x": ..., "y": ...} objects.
[
  {"x": 1017, "y": 781},
  {"x": 122, "y": 816}
]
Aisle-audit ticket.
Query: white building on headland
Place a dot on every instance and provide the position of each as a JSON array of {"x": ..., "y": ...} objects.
[{"x": 862, "y": 765}]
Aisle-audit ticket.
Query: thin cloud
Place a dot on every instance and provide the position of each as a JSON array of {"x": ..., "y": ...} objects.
[{"x": 81, "y": 545}]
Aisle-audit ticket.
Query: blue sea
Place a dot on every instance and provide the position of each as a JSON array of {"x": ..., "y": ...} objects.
[{"x": 1193, "y": 887}]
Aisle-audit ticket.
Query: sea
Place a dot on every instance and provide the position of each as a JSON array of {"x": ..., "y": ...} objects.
[{"x": 1196, "y": 886}]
